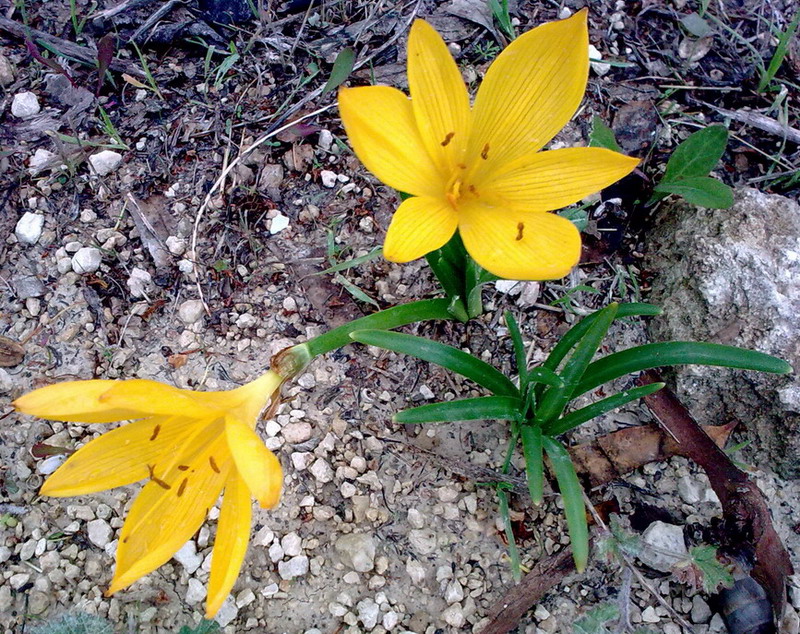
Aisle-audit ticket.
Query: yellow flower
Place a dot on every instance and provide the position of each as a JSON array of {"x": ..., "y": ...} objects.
[
  {"x": 479, "y": 170},
  {"x": 189, "y": 446}
]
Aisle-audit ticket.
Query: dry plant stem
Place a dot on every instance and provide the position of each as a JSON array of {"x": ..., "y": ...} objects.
[
  {"x": 310, "y": 97},
  {"x": 744, "y": 508},
  {"x": 639, "y": 577},
  {"x": 505, "y": 615},
  {"x": 221, "y": 179},
  {"x": 762, "y": 122},
  {"x": 159, "y": 13},
  {"x": 82, "y": 53},
  {"x": 125, "y": 5}
]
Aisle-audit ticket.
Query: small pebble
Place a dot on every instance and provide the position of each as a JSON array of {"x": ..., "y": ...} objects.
[
  {"x": 25, "y": 105},
  {"x": 86, "y": 260},
  {"x": 105, "y": 162},
  {"x": 29, "y": 228}
]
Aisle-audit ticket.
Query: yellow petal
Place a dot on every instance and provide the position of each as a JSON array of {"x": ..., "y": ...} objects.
[
  {"x": 171, "y": 507},
  {"x": 245, "y": 402},
  {"x": 438, "y": 96},
  {"x": 555, "y": 179},
  {"x": 75, "y": 401},
  {"x": 118, "y": 457},
  {"x": 419, "y": 226},
  {"x": 155, "y": 398},
  {"x": 380, "y": 124},
  {"x": 519, "y": 245},
  {"x": 257, "y": 465},
  {"x": 529, "y": 93},
  {"x": 230, "y": 545}
]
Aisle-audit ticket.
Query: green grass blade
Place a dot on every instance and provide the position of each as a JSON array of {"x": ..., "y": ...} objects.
[
  {"x": 780, "y": 53},
  {"x": 534, "y": 466},
  {"x": 655, "y": 355},
  {"x": 348, "y": 264},
  {"x": 575, "y": 334},
  {"x": 446, "y": 356},
  {"x": 519, "y": 349},
  {"x": 342, "y": 67},
  {"x": 513, "y": 552},
  {"x": 580, "y": 416},
  {"x": 556, "y": 398},
  {"x": 482, "y": 408},
  {"x": 572, "y": 494}
]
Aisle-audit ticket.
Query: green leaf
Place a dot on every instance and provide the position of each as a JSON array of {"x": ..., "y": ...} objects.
[
  {"x": 481, "y": 408},
  {"x": 545, "y": 376},
  {"x": 697, "y": 155},
  {"x": 715, "y": 573},
  {"x": 342, "y": 67},
  {"x": 513, "y": 551},
  {"x": 534, "y": 466},
  {"x": 602, "y": 136},
  {"x": 580, "y": 416},
  {"x": 780, "y": 53},
  {"x": 354, "y": 290},
  {"x": 656, "y": 355},
  {"x": 204, "y": 627},
  {"x": 556, "y": 398},
  {"x": 348, "y": 264},
  {"x": 702, "y": 191},
  {"x": 593, "y": 622},
  {"x": 576, "y": 216},
  {"x": 572, "y": 495},
  {"x": 519, "y": 349},
  {"x": 446, "y": 356},
  {"x": 574, "y": 334}
]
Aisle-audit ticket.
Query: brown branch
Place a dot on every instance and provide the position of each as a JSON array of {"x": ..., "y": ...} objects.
[{"x": 67, "y": 48}]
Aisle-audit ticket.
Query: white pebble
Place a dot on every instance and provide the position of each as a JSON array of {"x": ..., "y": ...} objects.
[
  {"x": 291, "y": 544},
  {"x": 105, "y": 162},
  {"x": 99, "y": 532},
  {"x": 278, "y": 224},
  {"x": 25, "y": 105},
  {"x": 191, "y": 311},
  {"x": 86, "y": 260},
  {"x": 321, "y": 470},
  {"x": 176, "y": 246},
  {"x": 139, "y": 281},
  {"x": 328, "y": 178},
  {"x": 196, "y": 592},
  {"x": 29, "y": 228},
  {"x": 295, "y": 567}
]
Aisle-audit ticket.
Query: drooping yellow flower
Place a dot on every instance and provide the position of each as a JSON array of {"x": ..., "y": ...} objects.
[
  {"x": 479, "y": 169},
  {"x": 189, "y": 446}
]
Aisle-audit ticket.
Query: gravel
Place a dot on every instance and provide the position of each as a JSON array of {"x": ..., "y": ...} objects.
[{"x": 29, "y": 228}]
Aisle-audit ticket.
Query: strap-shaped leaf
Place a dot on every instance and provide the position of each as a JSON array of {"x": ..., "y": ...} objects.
[
  {"x": 534, "y": 467},
  {"x": 556, "y": 398},
  {"x": 572, "y": 494},
  {"x": 519, "y": 349},
  {"x": 482, "y": 408},
  {"x": 574, "y": 334},
  {"x": 579, "y": 416},
  {"x": 654, "y": 355},
  {"x": 446, "y": 356},
  {"x": 544, "y": 376}
]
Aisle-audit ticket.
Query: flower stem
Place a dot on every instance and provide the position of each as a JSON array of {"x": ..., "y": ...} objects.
[{"x": 382, "y": 320}]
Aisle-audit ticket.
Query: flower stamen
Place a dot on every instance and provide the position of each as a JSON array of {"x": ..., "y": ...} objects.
[
  {"x": 213, "y": 464},
  {"x": 448, "y": 138},
  {"x": 158, "y": 481},
  {"x": 520, "y": 229},
  {"x": 182, "y": 486},
  {"x": 156, "y": 431},
  {"x": 485, "y": 152}
]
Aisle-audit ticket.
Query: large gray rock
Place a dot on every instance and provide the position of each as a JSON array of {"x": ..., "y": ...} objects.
[{"x": 732, "y": 276}]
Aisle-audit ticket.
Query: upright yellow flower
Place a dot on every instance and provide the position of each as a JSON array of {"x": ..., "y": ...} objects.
[
  {"x": 479, "y": 170},
  {"x": 189, "y": 446}
]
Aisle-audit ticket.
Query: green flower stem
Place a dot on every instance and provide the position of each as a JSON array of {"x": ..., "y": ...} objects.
[{"x": 382, "y": 320}]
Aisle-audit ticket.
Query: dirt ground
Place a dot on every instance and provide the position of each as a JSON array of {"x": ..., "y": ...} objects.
[{"x": 161, "y": 262}]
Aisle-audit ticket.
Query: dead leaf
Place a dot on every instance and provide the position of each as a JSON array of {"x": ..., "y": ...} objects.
[{"x": 11, "y": 353}]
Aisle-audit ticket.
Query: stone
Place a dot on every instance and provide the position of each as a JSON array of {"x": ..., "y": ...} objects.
[
  {"x": 7, "y": 384},
  {"x": 701, "y": 613},
  {"x": 368, "y": 613},
  {"x": 196, "y": 591},
  {"x": 28, "y": 286},
  {"x": 139, "y": 282},
  {"x": 416, "y": 571},
  {"x": 227, "y": 613},
  {"x": 649, "y": 615},
  {"x": 415, "y": 519},
  {"x": 295, "y": 567},
  {"x": 191, "y": 311},
  {"x": 321, "y": 470},
  {"x": 454, "y": 615},
  {"x": 38, "y": 602},
  {"x": 188, "y": 557},
  {"x": 7, "y": 71},
  {"x": 99, "y": 532},
  {"x": 87, "y": 260},
  {"x": 390, "y": 620},
  {"x": 270, "y": 178},
  {"x": 295, "y": 433},
  {"x": 454, "y": 593},
  {"x": 175, "y": 245},
  {"x": 6, "y": 599},
  {"x": 663, "y": 546},
  {"x": 278, "y": 224},
  {"x": 29, "y": 228},
  {"x": 105, "y": 162},
  {"x": 291, "y": 544},
  {"x": 40, "y": 161},
  {"x": 730, "y": 276},
  {"x": 25, "y": 105},
  {"x": 328, "y": 178},
  {"x": 357, "y": 551},
  {"x": 423, "y": 541}
]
